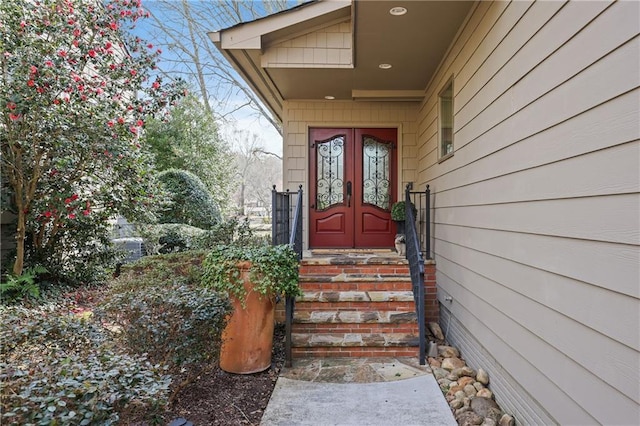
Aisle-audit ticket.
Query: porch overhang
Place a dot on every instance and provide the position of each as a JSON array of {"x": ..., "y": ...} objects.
[{"x": 336, "y": 49}]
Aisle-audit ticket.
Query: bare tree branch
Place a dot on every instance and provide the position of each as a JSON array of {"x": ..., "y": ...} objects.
[{"x": 181, "y": 29}]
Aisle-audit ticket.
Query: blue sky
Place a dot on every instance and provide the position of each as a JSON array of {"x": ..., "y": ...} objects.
[{"x": 207, "y": 16}]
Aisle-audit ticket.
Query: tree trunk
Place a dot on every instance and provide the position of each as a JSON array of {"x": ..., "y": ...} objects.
[{"x": 18, "y": 266}]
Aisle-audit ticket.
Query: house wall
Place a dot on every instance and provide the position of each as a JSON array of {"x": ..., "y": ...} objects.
[
  {"x": 326, "y": 47},
  {"x": 299, "y": 116},
  {"x": 536, "y": 215}
]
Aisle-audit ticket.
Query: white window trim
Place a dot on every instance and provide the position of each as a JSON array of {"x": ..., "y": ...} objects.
[{"x": 442, "y": 155}]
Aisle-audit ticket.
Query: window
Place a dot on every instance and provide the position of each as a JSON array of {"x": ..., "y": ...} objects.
[{"x": 445, "y": 120}]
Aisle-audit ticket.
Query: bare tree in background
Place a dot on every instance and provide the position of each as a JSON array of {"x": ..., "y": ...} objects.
[
  {"x": 181, "y": 27},
  {"x": 256, "y": 170}
]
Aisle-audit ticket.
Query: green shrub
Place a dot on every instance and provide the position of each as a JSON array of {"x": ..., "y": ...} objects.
[
  {"x": 160, "y": 309},
  {"x": 58, "y": 368},
  {"x": 176, "y": 237},
  {"x": 398, "y": 211},
  {"x": 82, "y": 254},
  {"x": 191, "y": 203}
]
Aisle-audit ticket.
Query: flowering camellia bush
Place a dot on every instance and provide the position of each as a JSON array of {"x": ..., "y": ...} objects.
[{"x": 75, "y": 91}]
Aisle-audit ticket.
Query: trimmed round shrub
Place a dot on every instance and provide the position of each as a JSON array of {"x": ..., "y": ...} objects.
[{"x": 191, "y": 203}]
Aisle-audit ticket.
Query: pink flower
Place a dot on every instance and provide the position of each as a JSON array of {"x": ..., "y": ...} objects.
[
  {"x": 86, "y": 212},
  {"x": 156, "y": 85},
  {"x": 110, "y": 123},
  {"x": 133, "y": 72},
  {"x": 33, "y": 69},
  {"x": 62, "y": 53},
  {"x": 11, "y": 106},
  {"x": 139, "y": 123},
  {"x": 120, "y": 120},
  {"x": 92, "y": 53},
  {"x": 14, "y": 117},
  {"x": 77, "y": 32},
  {"x": 108, "y": 45},
  {"x": 149, "y": 46},
  {"x": 31, "y": 83},
  {"x": 133, "y": 130},
  {"x": 113, "y": 26},
  {"x": 47, "y": 214},
  {"x": 48, "y": 63},
  {"x": 23, "y": 24},
  {"x": 72, "y": 216},
  {"x": 70, "y": 22},
  {"x": 74, "y": 197},
  {"x": 68, "y": 200}
]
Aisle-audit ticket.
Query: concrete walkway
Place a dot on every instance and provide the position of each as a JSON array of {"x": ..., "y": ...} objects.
[{"x": 348, "y": 391}]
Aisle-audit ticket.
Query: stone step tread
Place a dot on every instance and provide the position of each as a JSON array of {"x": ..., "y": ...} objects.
[
  {"x": 355, "y": 260},
  {"x": 356, "y": 296},
  {"x": 346, "y": 278},
  {"x": 353, "y": 339},
  {"x": 354, "y": 317}
]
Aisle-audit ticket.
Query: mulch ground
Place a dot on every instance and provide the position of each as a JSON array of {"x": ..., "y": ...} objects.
[{"x": 221, "y": 398}]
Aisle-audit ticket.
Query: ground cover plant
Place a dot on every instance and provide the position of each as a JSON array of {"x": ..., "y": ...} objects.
[{"x": 60, "y": 367}]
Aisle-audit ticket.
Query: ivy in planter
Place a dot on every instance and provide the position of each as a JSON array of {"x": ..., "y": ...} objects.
[{"x": 273, "y": 270}]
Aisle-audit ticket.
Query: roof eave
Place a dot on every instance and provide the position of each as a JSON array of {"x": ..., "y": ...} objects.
[{"x": 241, "y": 43}]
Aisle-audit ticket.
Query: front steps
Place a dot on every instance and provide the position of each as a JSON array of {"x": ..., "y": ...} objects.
[{"x": 355, "y": 304}]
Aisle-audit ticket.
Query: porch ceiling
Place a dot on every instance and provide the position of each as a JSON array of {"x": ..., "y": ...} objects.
[{"x": 414, "y": 44}]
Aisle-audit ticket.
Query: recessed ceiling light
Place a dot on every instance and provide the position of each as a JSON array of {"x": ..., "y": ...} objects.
[
  {"x": 329, "y": 97},
  {"x": 398, "y": 11},
  {"x": 384, "y": 66}
]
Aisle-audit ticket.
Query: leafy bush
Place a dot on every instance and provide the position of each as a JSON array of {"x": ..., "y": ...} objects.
[
  {"x": 58, "y": 368},
  {"x": 81, "y": 254},
  {"x": 273, "y": 270},
  {"x": 161, "y": 310},
  {"x": 176, "y": 237},
  {"x": 191, "y": 203},
  {"x": 398, "y": 211}
]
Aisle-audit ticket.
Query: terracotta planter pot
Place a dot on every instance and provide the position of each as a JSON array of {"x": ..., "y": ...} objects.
[{"x": 247, "y": 340}]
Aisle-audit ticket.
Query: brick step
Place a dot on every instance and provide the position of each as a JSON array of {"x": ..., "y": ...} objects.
[
  {"x": 354, "y": 352},
  {"x": 368, "y": 340},
  {"x": 353, "y": 317},
  {"x": 371, "y": 328},
  {"x": 355, "y": 296}
]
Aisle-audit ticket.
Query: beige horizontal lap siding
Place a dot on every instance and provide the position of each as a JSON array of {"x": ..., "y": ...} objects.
[
  {"x": 299, "y": 116},
  {"x": 536, "y": 221}
]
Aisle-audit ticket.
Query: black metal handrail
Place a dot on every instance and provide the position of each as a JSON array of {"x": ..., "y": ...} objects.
[
  {"x": 416, "y": 269},
  {"x": 422, "y": 201},
  {"x": 284, "y": 215}
]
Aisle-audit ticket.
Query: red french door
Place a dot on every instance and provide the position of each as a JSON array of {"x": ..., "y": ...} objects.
[{"x": 352, "y": 187}]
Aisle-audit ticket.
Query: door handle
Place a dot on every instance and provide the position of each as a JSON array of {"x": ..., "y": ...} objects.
[{"x": 349, "y": 194}]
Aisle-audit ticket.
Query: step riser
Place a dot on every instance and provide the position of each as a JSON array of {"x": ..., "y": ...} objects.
[
  {"x": 356, "y": 286},
  {"x": 343, "y": 316},
  {"x": 356, "y": 328},
  {"x": 333, "y": 270},
  {"x": 354, "y": 352}
]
